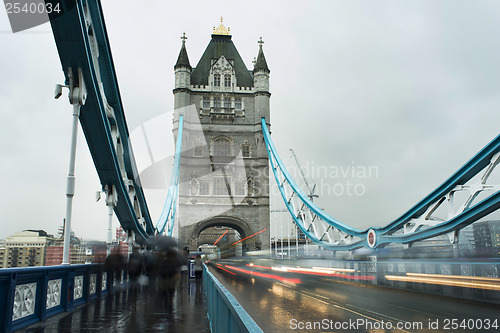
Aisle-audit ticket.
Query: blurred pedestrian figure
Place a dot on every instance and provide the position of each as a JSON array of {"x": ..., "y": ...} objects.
[
  {"x": 198, "y": 266},
  {"x": 135, "y": 264},
  {"x": 115, "y": 262},
  {"x": 168, "y": 271},
  {"x": 184, "y": 266},
  {"x": 151, "y": 263}
]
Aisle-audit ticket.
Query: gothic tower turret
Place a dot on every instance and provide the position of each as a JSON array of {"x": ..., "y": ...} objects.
[
  {"x": 261, "y": 84},
  {"x": 182, "y": 71},
  {"x": 262, "y": 97}
]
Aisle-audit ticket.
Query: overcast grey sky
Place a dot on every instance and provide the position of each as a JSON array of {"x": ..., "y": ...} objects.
[{"x": 411, "y": 88}]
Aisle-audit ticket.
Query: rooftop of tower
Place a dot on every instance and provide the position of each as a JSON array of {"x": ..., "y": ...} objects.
[{"x": 221, "y": 44}]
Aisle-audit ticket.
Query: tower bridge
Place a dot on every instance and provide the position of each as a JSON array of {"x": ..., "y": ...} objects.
[
  {"x": 224, "y": 169},
  {"x": 223, "y": 157}
]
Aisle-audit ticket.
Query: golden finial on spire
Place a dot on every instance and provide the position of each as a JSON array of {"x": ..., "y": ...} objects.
[{"x": 221, "y": 29}]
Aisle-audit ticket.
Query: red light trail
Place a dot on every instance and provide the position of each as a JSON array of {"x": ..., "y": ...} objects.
[
  {"x": 264, "y": 275},
  {"x": 319, "y": 273},
  {"x": 218, "y": 239},
  {"x": 241, "y": 240},
  {"x": 219, "y": 267}
]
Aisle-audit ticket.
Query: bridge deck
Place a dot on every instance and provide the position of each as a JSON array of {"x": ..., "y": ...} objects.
[
  {"x": 284, "y": 307},
  {"x": 139, "y": 309}
]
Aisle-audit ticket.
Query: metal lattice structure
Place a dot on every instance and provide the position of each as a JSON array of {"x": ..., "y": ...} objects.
[
  {"x": 418, "y": 223},
  {"x": 83, "y": 47}
]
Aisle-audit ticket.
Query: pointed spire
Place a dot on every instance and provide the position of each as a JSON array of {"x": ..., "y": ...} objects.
[
  {"x": 260, "y": 63},
  {"x": 183, "y": 59}
]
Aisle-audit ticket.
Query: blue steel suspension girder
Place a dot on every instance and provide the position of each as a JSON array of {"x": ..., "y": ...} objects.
[
  {"x": 272, "y": 152},
  {"x": 276, "y": 163},
  {"x": 167, "y": 217},
  {"x": 460, "y": 177},
  {"x": 71, "y": 35},
  {"x": 383, "y": 235},
  {"x": 479, "y": 210}
]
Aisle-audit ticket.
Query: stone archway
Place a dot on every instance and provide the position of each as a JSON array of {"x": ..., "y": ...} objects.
[{"x": 242, "y": 227}]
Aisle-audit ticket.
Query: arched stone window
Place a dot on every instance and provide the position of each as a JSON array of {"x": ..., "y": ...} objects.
[
  {"x": 250, "y": 186},
  {"x": 221, "y": 147},
  {"x": 206, "y": 103},
  {"x": 198, "y": 148},
  {"x": 237, "y": 103},
  {"x": 245, "y": 150},
  {"x": 227, "y": 80},
  {"x": 217, "y": 80},
  {"x": 216, "y": 102},
  {"x": 240, "y": 187},
  {"x": 221, "y": 187},
  {"x": 204, "y": 188},
  {"x": 194, "y": 186}
]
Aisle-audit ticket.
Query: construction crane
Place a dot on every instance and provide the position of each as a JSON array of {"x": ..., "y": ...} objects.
[{"x": 309, "y": 188}]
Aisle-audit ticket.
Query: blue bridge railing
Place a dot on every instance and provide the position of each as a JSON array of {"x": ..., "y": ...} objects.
[
  {"x": 224, "y": 312},
  {"x": 33, "y": 294}
]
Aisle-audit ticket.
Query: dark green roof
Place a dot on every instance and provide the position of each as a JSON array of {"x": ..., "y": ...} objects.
[
  {"x": 183, "y": 59},
  {"x": 221, "y": 45},
  {"x": 261, "y": 63}
]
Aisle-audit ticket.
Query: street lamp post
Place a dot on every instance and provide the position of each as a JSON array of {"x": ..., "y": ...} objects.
[
  {"x": 111, "y": 201},
  {"x": 77, "y": 96}
]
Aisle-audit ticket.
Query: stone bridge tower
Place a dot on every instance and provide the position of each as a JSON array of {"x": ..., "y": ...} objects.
[{"x": 224, "y": 166}]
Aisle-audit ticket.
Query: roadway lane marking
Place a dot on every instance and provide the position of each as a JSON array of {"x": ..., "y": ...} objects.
[
  {"x": 284, "y": 285},
  {"x": 321, "y": 296},
  {"x": 392, "y": 319},
  {"x": 316, "y": 299},
  {"x": 344, "y": 308},
  {"x": 436, "y": 315},
  {"x": 362, "y": 315},
  {"x": 376, "y": 313},
  {"x": 427, "y": 314},
  {"x": 350, "y": 310}
]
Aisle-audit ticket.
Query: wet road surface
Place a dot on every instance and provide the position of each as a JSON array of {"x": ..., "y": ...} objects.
[
  {"x": 136, "y": 310},
  {"x": 279, "y": 303}
]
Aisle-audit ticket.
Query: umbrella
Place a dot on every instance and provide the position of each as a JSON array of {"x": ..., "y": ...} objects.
[
  {"x": 150, "y": 243},
  {"x": 163, "y": 243}
]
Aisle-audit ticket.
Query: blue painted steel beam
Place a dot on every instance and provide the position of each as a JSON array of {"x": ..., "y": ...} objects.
[
  {"x": 167, "y": 216},
  {"x": 462, "y": 220},
  {"x": 384, "y": 234},
  {"x": 73, "y": 45},
  {"x": 273, "y": 155},
  {"x": 462, "y": 176},
  {"x": 272, "y": 152}
]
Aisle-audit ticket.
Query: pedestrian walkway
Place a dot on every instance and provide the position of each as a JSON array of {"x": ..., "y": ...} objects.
[{"x": 137, "y": 309}]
